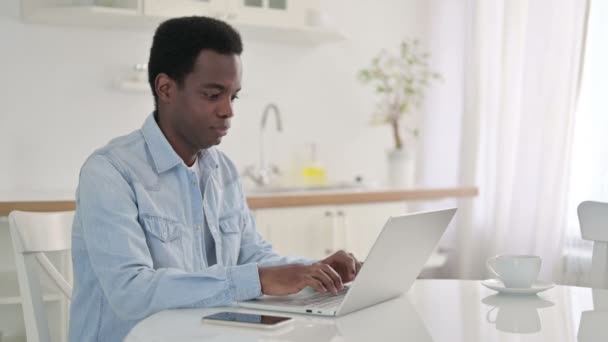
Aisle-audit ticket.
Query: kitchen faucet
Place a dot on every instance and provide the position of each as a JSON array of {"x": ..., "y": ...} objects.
[{"x": 262, "y": 176}]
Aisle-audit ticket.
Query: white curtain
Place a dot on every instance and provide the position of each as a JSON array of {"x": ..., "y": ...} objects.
[
  {"x": 523, "y": 72},
  {"x": 589, "y": 176}
]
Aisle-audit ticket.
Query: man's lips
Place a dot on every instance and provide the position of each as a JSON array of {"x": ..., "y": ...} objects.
[{"x": 221, "y": 130}]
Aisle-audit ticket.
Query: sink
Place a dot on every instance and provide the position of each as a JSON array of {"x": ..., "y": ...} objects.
[{"x": 303, "y": 188}]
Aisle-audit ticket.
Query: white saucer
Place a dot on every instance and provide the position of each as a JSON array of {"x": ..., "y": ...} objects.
[{"x": 497, "y": 285}]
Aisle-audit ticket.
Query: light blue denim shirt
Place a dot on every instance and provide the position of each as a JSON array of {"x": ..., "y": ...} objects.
[{"x": 136, "y": 240}]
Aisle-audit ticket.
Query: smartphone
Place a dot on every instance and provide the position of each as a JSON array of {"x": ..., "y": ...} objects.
[{"x": 248, "y": 320}]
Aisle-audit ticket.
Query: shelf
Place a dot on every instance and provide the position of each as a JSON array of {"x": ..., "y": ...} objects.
[
  {"x": 9, "y": 290},
  {"x": 90, "y": 16},
  {"x": 132, "y": 18}
]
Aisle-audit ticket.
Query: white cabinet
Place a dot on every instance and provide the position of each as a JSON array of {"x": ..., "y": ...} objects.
[
  {"x": 277, "y": 13},
  {"x": 295, "y": 232},
  {"x": 315, "y": 232},
  {"x": 269, "y": 13},
  {"x": 179, "y": 8},
  {"x": 82, "y": 13},
  {"x": 293, "y": 21}
]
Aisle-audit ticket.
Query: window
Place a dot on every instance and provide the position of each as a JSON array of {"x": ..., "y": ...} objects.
[{"x": 589, "y": 169}]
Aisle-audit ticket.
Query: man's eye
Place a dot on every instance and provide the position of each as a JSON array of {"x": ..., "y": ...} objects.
[
  {"x": 211, "y": 96},
  {"x": 234, "y": 97}
]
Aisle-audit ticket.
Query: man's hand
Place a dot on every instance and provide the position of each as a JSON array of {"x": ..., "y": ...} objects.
[
  {"x": 290, "y": 279},
  {"x": 345, "y": 264}
]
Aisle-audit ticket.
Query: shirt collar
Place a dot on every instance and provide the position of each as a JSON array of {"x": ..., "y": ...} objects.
[{"x": 163, "y": 154}]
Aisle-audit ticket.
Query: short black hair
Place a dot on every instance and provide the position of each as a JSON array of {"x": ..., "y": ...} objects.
[{"x": 178, "y": 41}]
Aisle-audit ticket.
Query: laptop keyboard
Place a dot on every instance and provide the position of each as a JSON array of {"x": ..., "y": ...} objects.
[{"x": 319, "y": 300}]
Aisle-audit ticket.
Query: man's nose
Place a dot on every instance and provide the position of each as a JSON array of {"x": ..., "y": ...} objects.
[{"x": 226, "y": 109}]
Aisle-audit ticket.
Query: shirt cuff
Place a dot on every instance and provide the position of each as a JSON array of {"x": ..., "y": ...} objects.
[
  {"x": 244, "y": 282},
  {"x": 308, "y": 262}
]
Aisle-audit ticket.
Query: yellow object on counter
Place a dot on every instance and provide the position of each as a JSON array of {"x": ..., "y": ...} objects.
[
  {"x": 313, "y": 172},
  {"x": 314, "y": 175}
]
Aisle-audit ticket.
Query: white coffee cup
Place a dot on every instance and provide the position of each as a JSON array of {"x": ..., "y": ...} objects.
[{"x": 518, "y": 271}]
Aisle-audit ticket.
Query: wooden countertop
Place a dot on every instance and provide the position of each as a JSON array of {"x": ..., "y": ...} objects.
[
  {"x": 62, "y": 202},
  {"x": 303, "y": 199}
]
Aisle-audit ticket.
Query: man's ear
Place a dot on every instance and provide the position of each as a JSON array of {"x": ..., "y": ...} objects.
[{"x": 165, "y": 88}]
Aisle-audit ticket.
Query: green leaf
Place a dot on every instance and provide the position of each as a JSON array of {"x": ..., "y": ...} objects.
[
  {"x": 364, "y": 76},
  {"x": 399, "y": 79}
]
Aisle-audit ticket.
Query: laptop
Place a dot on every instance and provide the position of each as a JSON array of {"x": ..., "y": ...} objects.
[{"x": 394, "y": 262}]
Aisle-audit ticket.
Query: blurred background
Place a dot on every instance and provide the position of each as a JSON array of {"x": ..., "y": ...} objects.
[{"x": 512, "y": 128}]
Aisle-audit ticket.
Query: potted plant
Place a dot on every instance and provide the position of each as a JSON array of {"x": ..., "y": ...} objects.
[{"x": 400, "y": 80}]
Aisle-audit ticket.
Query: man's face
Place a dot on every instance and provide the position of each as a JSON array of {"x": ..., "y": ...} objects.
[{"x": 202, "y": 106}]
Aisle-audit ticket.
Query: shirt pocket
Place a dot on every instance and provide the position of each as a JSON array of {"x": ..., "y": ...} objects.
[
  {"x": 164, "y": 239},
  {"x": 230, "y": 225},
  {"x": 230, "y": 229}
]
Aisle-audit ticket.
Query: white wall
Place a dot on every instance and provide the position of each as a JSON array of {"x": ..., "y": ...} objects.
[{"x": 58, "y": 102}]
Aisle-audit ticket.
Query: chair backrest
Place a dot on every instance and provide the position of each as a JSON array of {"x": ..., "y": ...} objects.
[
  {"x": 593, "y": 219},
  {"x": 33, "y": 234}
]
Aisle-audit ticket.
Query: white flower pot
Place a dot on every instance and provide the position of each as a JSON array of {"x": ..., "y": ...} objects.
[{"x": 400, "y": 169}]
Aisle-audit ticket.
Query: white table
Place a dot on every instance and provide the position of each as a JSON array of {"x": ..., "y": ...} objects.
[{"x": 433, "y": 310}]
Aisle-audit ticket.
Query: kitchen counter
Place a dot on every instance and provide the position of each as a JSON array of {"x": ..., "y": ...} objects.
[
  {"x": 317, "y": 198},
  {"x": 65, "y": 201}
]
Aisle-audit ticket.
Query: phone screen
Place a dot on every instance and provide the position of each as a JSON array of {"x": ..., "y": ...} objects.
[{"x": 238, "y": 317}]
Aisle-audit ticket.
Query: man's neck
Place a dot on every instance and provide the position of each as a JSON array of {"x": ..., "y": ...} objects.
[{"x": 186, "y": 152}]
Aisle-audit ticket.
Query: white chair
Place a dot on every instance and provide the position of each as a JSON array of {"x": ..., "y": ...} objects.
[
  {"x": 593, "y": 219},
  {"x": 33, "y": 234}
]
